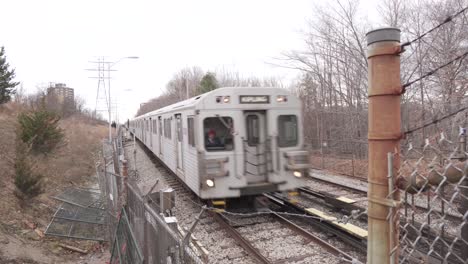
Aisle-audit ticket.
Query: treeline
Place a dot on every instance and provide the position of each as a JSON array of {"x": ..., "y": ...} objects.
[
  {"x": 190, "y": 82},
  {"x": 333, "y": 72},
  {"x": 333, "y": 84},
  {"x": 41, "y": 100},
  {"x": 37, "y": 133}
]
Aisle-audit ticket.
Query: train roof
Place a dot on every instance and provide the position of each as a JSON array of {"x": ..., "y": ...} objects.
[{"x": 200, "y": 100}]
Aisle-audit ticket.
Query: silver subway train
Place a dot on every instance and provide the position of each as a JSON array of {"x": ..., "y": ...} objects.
[{"x": 230, "y": 142}]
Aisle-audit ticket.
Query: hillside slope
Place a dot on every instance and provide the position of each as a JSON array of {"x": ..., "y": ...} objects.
[{"x": 22, "y": 224}]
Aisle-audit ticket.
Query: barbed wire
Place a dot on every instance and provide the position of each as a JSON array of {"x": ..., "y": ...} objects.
[
  {"x": 435, "y": 121},
  {"x": 431, "y": 72},
  {"x": 448, "y": 19}
]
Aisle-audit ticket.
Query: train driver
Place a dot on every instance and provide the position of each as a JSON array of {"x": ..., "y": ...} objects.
[{"x": 213, "y": 140}]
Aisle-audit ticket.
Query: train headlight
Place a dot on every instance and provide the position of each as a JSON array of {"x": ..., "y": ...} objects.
[
  {"x": 297, "y": 174},
  {"x": 281, "y": 98},
  {"x": 210, "y": 183},
  {"x": 227, "y": 99}
]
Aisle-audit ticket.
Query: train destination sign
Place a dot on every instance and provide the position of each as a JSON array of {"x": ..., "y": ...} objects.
[{"x": 254, "y": 99}]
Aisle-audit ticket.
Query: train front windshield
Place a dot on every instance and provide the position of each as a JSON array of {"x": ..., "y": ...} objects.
[
  {"x": 218, "y": 133},
  {"x": 287, "y": 131}
]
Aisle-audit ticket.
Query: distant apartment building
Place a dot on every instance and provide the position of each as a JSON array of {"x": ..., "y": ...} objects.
[{"x": 61, "y": 98}]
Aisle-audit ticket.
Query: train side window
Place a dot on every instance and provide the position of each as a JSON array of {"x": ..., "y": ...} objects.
[
  {"x": 167, "y": 128},
  {"x": 218, "y": 133},
  {"x": 160, "y": 128},
  {"x": 191, "y": 132},
  {"x": 155, "y": 130},
  {"x": 287, "y": 131},
  {"x": 169, "y": 121}
]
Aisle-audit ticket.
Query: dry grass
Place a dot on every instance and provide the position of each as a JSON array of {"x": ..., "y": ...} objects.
[{"x": 72, "y": 164}]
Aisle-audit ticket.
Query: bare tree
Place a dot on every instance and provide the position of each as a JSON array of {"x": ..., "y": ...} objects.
[
  {"x": 186, "y": 83},
  {"x": 444, "y": 91},
  {"x": 333, "y": 85},
  {"x": 393, "y": 12}
]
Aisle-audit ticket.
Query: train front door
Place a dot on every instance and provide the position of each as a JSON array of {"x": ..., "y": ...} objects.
[
  {"x": 179, "y": 140},
  {"x": 255, "y": 147}
]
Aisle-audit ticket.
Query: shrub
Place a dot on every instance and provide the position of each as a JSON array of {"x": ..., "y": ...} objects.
[
  {"x": 27, "y": 182},
  {"x": 39, "y": 130}
]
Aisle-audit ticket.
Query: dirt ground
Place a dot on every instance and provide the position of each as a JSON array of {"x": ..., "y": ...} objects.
[
  {"x": 22, "y": 224},
  {"x": 346, "y": 166}
]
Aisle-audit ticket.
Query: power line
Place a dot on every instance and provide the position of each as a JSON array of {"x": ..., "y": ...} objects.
[
  {"x": 435, "y": 121},
  {"x": 448, "y": 19},
  {"x": 431, "y": 72}
]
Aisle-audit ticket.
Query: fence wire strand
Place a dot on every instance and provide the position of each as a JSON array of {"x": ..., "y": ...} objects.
[
  {"x": 433, "y": 71},
  {"x": 445, "y": 21}
]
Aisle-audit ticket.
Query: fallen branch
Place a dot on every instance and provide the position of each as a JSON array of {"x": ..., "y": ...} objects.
[{"x": 73, "y": 248}]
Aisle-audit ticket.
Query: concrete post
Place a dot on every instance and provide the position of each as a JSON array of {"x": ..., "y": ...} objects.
[{"x": 384, "y": 136}]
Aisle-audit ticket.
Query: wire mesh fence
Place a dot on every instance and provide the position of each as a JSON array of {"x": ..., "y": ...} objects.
[
  {"x": 347, "y": 157},
  {"x": 140, "y": 231},
  {"x": 125, "y": 247},
  {"x": 81, "y": 215},
  {"x": 72, "y": 221},
  {"x": 432, "y": 186}
]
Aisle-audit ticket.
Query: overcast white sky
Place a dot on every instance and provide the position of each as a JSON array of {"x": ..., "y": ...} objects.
[{"x": 53, "y": 41}]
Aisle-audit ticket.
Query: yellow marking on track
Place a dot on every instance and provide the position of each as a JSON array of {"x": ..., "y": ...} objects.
[
  {"x": 345, "y": 200},
  {"x": 293, "y": 193},
  {"x": 219, "y": 210},
  {"x": 220, "y": 202},
  {"x": 350, "y": 228},
  {"x": 293, "y": 201}
]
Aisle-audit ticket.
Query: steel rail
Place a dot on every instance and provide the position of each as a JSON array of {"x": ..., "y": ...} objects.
[
  {"x": 330, "y": 200},
  {"x": 448, "y": 215},
  {"x": 426, "y": 231},
  {"x": 245, "y": 244},
  {"x": 324, "y": 225},
  {"x": 299, "y": 230},
  {"x": 338, "y": 184}
]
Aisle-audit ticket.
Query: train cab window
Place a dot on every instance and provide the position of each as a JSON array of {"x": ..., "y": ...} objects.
[
  {"x": 218, "y": 133},
  {"x": 287, "y": 131},
  {"x": 191, "y": 132}
]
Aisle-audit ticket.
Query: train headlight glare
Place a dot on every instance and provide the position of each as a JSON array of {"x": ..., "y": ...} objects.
[
  {"x": 281, "y": 98},
  {"x": 297, "y": 174},
  {"x": 227, "y": 99},
  {"x": 210, "y": 183}
]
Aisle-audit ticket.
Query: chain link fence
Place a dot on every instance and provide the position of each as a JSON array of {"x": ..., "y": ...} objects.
[
  {"x": 346, "y": 157},
  {"x": 140, "y": 231},
  {"x": 432, "y": 189}
]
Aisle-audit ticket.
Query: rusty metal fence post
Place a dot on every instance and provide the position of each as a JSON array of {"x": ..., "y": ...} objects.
[{"x": 384, "y": 137}]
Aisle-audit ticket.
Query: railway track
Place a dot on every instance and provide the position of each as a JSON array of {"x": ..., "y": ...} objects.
[
  {"x": 441, "y": 242},
  {"x": 350, "y": 234},
  {"x": 304, "y": 247},
  {"x": 359, "y": 190},
  {"x": 274, "y": 227}
]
